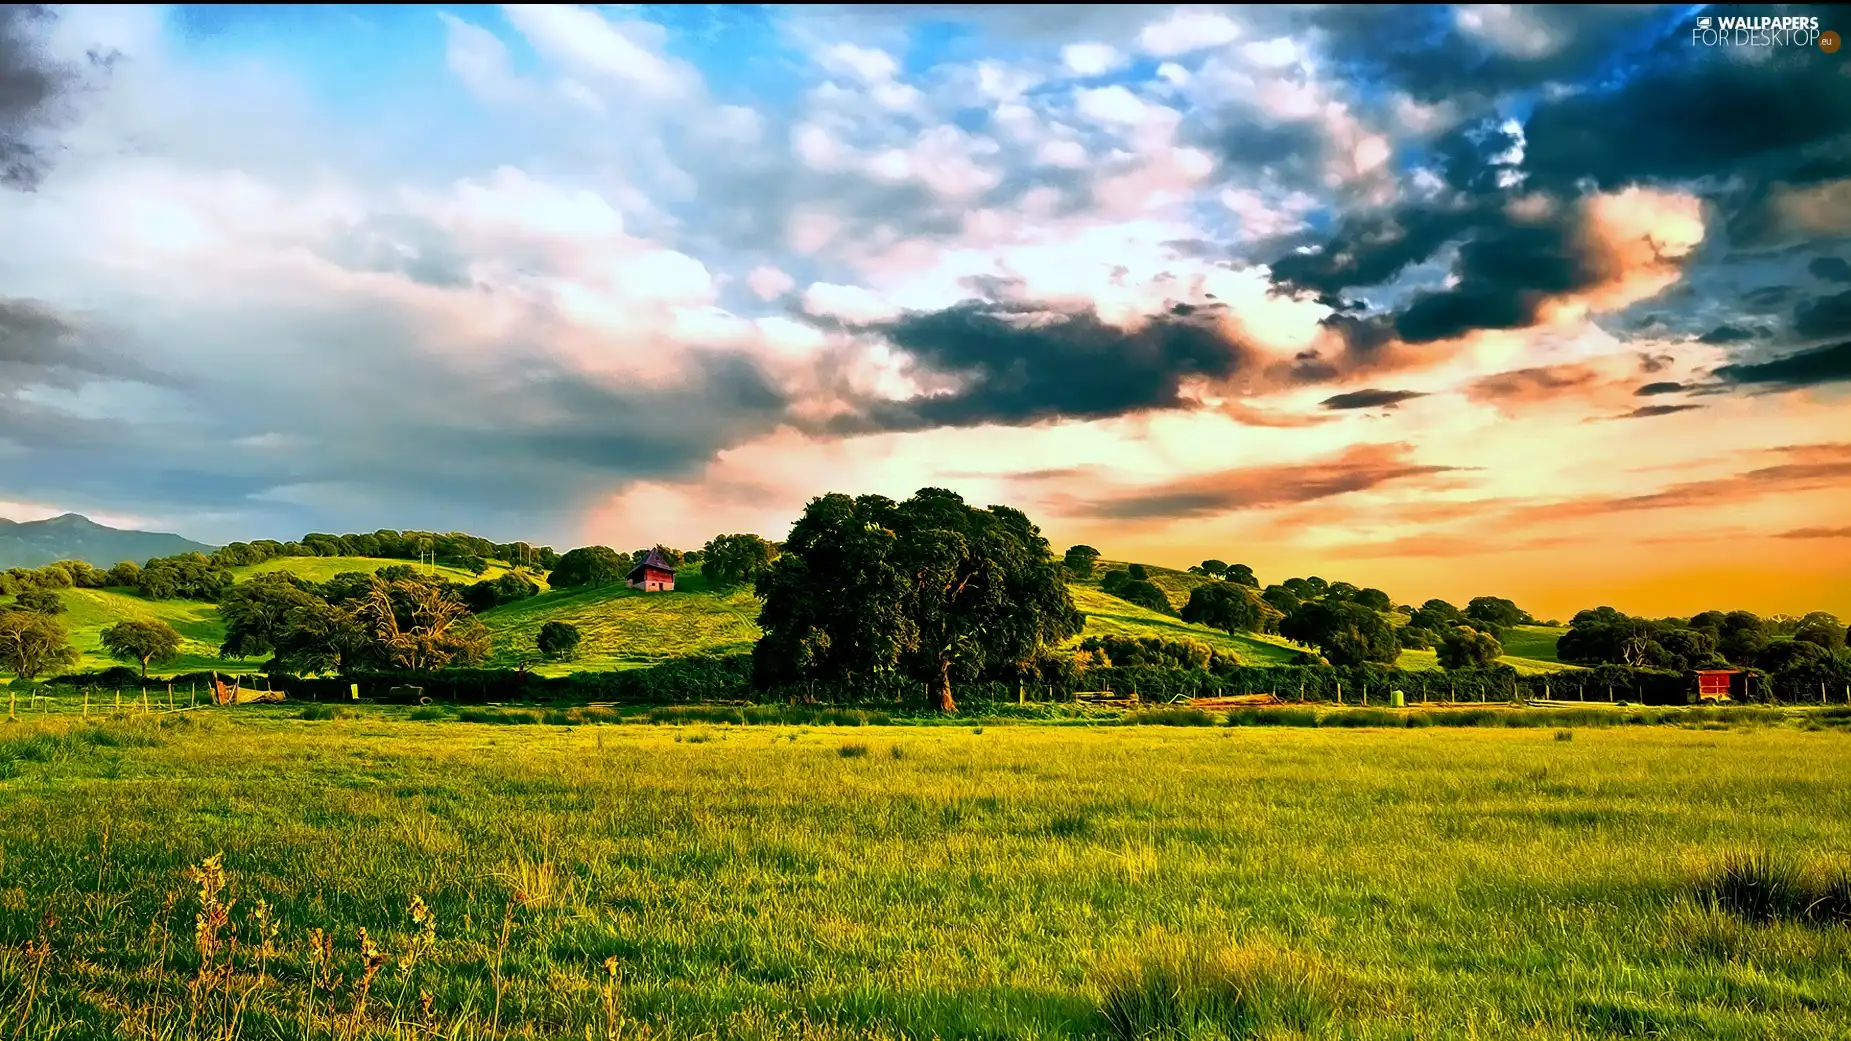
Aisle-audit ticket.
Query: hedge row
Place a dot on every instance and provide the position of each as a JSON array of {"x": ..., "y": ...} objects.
[{"x": 729, "y": 678}]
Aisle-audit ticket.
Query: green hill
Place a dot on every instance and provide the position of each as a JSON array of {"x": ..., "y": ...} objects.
[
  {"x": 321, "y": 569},
  {"x": 623, "y": 629},
  {"x": 1530, "y": 648},
  {"x": 89, "y": 611}
]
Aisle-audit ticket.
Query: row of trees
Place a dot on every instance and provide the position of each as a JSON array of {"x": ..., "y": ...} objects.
[{"x": 1713, "y": 639}]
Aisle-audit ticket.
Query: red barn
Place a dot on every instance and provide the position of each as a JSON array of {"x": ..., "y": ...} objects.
[
  {"x": 1713, "y": 684},
  {"x": 653, "y": 575}
]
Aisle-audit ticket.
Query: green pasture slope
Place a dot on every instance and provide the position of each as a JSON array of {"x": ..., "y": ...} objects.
[
  {"x": 622, "y": 628},
  {"x": 321, "y": 569},
  {"x": 881, "y": 883},
  {"x": 89, "y": 611},
  {"x": 1531, "y": 647}
]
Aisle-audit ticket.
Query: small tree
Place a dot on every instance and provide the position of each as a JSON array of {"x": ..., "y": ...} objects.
[
  {"x": 1146, "y": 595},
  {"x": 40, "y": 601},
  {"x": 1466, "y": 648},
  {"x": 1137, "y": 572},
  {"x": 31, "y": 643},
  {"x": 1216, "y": 568},
  {"x": 146, "y": 641},
  {"x": 558, "y": 641},
  {"x": 1241, "y": 575},
  {"x": 1080, "y": 561}
]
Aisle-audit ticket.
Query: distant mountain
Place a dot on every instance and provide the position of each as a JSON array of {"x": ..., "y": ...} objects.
[{"x": 74, "y": 537}]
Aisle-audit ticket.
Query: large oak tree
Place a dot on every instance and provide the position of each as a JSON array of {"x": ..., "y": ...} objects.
[{"x": 931, "y": 587}]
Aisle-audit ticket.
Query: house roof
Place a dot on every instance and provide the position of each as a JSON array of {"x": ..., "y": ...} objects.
[{"x": 654, "y": 562}]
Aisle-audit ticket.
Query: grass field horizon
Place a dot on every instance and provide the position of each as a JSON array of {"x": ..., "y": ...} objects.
[
  {"x": 915, "y": 882},
  {"x": 624, "y": 629}
]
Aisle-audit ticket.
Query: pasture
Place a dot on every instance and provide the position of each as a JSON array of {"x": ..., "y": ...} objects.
[
  {"x": 625, "y": 629},
  {"x": 905, "y": 881}
]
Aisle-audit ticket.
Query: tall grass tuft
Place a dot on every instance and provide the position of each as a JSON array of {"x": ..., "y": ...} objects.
[
  {"x": 1174, "y": 991},
  {"x": 1765, "y": 887}
]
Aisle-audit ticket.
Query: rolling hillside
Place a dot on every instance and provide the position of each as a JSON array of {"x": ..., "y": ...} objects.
[
  {"x": 89, "y": 611},
  {"x": 626, "y": 629},
  {"x": 622, "y": 628},
  {"x": 321, "y": 569},
  {"x": 1531, "y": 647}
]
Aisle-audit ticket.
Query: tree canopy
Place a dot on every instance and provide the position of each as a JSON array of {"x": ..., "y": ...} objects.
[
  {"x": 728, "y": 560},
  {"x": 32, "y": 644},
  {"x": 1343, "y": 632},
  {"x": 1463, "y": 647},
  {"x": 589, "y": 567},
  {"x": 143, "y": 641},
  {"x": 558, "y": 640},
  {"x": 931, "y": 587},
  {"x": 1081, "y": 560},
  {"x": 1228, "y": 607}
]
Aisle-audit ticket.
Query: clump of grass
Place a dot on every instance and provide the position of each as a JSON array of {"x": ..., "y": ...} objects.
[
  {"x": 897, "y": 752},
  {"x": 1070, "y": 825},
  {"x": 1564, "y": 735},
  {"x": 427, "y": 713},
  {"x": 1765, "y": 887},
  {"x": 322, "y": 713},
  {"x": 853, "y": 751},
  {"x": 1168, "y": 716},
  {"x": 1174, "y": 991}
]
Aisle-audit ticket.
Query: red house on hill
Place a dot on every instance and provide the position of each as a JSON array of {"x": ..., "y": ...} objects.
[{"x": 653, "y": 575}]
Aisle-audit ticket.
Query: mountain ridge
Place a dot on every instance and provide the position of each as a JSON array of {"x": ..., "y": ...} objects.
[{"x": 73, "y": 536}]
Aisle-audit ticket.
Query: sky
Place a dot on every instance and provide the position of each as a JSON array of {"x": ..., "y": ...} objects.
[{"x": 1545, "y": 302}]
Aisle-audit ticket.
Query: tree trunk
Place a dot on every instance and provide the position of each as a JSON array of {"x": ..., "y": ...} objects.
[
  {"x": 941, "y": 692},
  {"x": 144, "y": 670}
]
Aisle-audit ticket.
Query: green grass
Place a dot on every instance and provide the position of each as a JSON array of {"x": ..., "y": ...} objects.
[
  {"x": 626, "y": 629},
  {"x": 89, "y": 611},
  {"x": 622, "y": 628},
  {"x": 1531, "y": 648},
  {"x": 1107, "y": 615},
  {"x": 919, "y": 882},
  {"x": 321, "y": 569},
  {"x": 1533, "y": 642}
]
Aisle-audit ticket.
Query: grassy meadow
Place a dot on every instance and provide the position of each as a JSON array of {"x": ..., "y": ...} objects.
[
  {"x": 87, "y": 612},
  {"x": 903, "y": 882},
  {"x": 321, "y": 569}
]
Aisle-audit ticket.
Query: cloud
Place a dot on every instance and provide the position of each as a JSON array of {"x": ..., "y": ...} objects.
[
  {"x": 1091, "y": 59},
  {"x": 1660, "y": 387},
  {"x": 1825, "y": 317},
  {"x": 1358, "y": 468},
  {"x": 769, "y": 283},
  {"x": 1830, "y": 269},
  {"x": 1010, "y": 364},
  {"x": 1808, "y": 368},
  {"x": 1370, "y": 399},
  {"x": 1539, "y": 383},
  {"x": 1184, "y": 31},
  {"x": 1649, "y": 411},
  {"x": 1726, "y": 334},
  {"x": 1816, "y": 533},
  {"x": 34, "y": 90}
]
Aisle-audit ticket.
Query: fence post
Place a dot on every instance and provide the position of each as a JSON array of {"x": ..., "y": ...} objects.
[
  {"x": 192, "y": 695},
  {"x": 86, "y": 702},
  {"x": 170, "y": 697},
  {"x": 12, "y": 697},
  {"x": 118, "y": 699},
  {"x": 1339, "y": 692}
]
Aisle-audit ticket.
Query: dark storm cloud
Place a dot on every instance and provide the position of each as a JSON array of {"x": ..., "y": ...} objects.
[
  {"x": 1427, "y": 51},
  {"x": 40, "y": 345},
  {"x": 1651, "y": 390},
  {"x": 1726, "y": 334},
  {"x": 1649, "y": 411},
  {"x": 1635, "y": 126},
  {"x": 33, "y": 91},
  {"x": 29, "y": 83},
  {"x": 1768, "y": 298},
  {"x": 1016, "y": 366},
  {"x": 1826, "y": 317},
  {"x": 1358, "y": 469},
  {"x": 1807, "y": 368},
  {"x": 1830, "y": 269},
  {"x": 1370, "y": 399}
]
